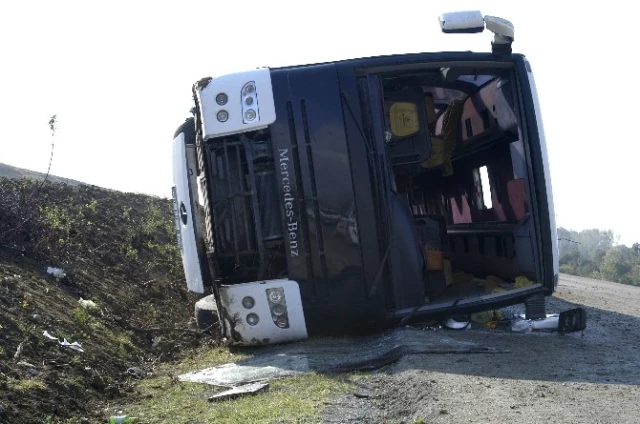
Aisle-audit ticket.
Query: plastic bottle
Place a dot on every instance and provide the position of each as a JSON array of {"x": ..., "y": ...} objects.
[
  {"x": 550, "y": 323},
  {"x": 521, "y": 326}
]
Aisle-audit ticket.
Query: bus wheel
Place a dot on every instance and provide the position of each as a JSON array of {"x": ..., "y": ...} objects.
[{"x": 206, "y": 313}]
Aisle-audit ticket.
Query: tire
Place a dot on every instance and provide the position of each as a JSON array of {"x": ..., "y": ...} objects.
[{"x": 206, "y": 312}]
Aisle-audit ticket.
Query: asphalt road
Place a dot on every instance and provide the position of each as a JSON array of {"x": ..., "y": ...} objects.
[{"x": 592, "y": 377}]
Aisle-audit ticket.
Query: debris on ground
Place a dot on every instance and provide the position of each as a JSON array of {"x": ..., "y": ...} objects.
[
  {"x": 332, "y": 356},
  {"x": 18, "y": 351},
  {"x": 239, "y": 391},
  {"x": 136, "y": 372},
  {"x": 569, "y": 321},
  {"x": 455, "y": 324},
  {"x": 75, "y": 345},
  {"x": 122, "y": 419},
  {"x": 56, "y": 272},
  {"x": 513, "y": 318},
  {"x": 87, "y": 304},
  {"x": 522, "y": 325}
]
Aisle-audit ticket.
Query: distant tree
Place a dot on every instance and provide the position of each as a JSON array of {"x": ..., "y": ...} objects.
[
  {"x": 618, "y": 264},
  {"x": 593, "y": 240},
  {"x": 570, "y": 258},
  {"x": 567, "y": 241},
  {"x": 595, "y": 253},
  {"x": 598, "y": 258}
]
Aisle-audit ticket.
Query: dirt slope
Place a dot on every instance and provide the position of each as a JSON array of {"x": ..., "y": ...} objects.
[
  {"x": 117, "y": 250},
  {"x": 548, "y": 378}
]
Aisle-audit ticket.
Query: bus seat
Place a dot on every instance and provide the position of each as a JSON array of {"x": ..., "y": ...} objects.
[
  {"x": 517, "y": 198},
  {"x": 407, "y": 120},
  {"x": 432, "y": 236},
  {"x": 442, "y": 147}
]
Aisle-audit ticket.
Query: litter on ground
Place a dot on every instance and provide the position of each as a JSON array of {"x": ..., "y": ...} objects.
[
  {"x": 56, "y": 272},
  {"x": 75, "y": 345}
]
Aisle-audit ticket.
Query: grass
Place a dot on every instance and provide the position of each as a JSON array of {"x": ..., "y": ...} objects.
[
  {"x": 25, "y": 385},
  {"x": 206, "y": 357},
  {"x": 121, "y": 344},
  {"x": 80, "y": 315},
  {"x": 125, "y": 346},
  {"x": 74, "y": 382},
  {"x": 297, "y": 399},
  {"x": 294, "y": 399}
]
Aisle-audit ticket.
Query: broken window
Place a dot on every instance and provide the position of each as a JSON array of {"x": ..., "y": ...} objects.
[{"x": 482, "y": 188}]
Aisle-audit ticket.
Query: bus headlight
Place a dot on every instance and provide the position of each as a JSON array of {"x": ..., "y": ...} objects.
[
  {"x": 250, "y": 115},
  {"x": 278, "y": 307},
  {"x": 278, "y": 310},
  {"x": 249, "y": 88},
  {"x": 222, "y": 99},
  {"x": 248, "y": 302},
  {"x": 282, "y": 322},
  {"x": 222, "y": 116},
  {"x": 275, "y": 295},
  {"x": 249, "y": 101},
  {"x": 252, "y": 319}
]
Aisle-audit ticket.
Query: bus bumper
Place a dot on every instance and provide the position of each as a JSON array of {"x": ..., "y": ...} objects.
[{"x": 265, "y": 312}]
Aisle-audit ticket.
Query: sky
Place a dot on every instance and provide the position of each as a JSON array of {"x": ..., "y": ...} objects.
[{"x": 118, "y": 74}]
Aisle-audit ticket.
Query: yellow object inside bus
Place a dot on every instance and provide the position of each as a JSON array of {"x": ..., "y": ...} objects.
[{"x": 404, "y": 119}]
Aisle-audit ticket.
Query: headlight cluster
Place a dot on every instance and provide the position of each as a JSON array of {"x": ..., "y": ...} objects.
[
  {"x": 248, "y": 99},
  {"x": 278, "y": 307},
  {"x": 249, "y": 102}
]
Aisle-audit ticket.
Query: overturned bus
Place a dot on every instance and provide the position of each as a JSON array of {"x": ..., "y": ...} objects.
[{"x": 357, "y": 194}]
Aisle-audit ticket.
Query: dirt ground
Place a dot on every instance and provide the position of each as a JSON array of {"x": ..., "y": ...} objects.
[
  {"x": 117, "y": 250},
  {"x": 547, "y": 378}
]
